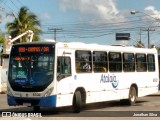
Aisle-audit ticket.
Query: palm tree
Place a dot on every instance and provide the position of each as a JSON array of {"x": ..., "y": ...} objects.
[
  {"x": 2, "y": 42},
  {"x": 2, "y": 38},
  {"x": 23, "y": 22}
]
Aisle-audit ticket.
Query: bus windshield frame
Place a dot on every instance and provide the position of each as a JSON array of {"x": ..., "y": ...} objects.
[{"x": 31, "y": 67}]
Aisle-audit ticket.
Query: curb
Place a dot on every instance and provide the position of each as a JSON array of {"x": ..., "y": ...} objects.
[{"x": 155, "y": 94}]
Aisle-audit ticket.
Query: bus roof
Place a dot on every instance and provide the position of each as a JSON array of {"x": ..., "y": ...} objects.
[{"x": 93, "y": 46}]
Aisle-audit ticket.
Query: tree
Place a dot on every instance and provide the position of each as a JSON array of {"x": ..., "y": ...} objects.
[
  {"x": 23, "y": 22},
  {"x": 2, "y": 39},
  {"x": 152, "y": 46},
  {"x": 158, "y": 48},
  {"x": 2, "y": 42},
  {"x": 139, "y": 44}
]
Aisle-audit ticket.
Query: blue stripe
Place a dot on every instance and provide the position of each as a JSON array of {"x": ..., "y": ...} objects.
[{"x": 49, "y": 101}]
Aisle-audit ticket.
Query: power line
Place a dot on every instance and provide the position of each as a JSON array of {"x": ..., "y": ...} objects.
[
  {"x": 14, "y": 4},
  {"x": 95, "y": 29},
  {"x": 148, "y": 30},
  {"x": 10, "y": 8},
  {"x": 55, "y": 30},
  {"x": 20, "y": 2}
]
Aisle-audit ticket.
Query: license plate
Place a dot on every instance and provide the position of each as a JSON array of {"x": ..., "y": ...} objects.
[{"x": 26, "y": 104}]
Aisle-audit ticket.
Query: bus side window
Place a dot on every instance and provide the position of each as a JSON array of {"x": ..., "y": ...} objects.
[
  {"x": 100, "y": 62},
  {"x": 141, "y": 64},
  {"x": 128, "y": 62},
  {"x": 151, "y": 62},
  {"x": 115, "y": 62},
  {"x": 83, "y": 61},
  {"x": 63, "y": 67}
]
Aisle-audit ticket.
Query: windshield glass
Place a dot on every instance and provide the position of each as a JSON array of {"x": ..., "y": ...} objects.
[{"x": 31, "y": 67}]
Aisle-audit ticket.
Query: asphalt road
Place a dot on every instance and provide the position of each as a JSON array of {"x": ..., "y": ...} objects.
[{"x": 146, "y": 108}]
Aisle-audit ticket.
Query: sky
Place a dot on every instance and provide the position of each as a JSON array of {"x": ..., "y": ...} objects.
[{"x": 91, "y": 21}]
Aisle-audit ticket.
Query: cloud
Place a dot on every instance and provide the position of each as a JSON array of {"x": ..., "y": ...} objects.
[
  {"x": 151, "y": 11},
  {"x": 99, "y": 9},
  {"x": 45, "y": 16}
]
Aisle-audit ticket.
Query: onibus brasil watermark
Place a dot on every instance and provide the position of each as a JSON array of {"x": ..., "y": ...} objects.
[{"x": 15, "y": 114}]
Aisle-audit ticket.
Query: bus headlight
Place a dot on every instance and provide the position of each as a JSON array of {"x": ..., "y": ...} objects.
[
  {"x": 49, "y": 91},
  {"x": 9, "y": 91}
]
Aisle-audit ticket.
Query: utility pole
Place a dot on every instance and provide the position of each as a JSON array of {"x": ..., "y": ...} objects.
[
  {"x": 140, "y": 36},
  {"x": 148, "y": 30},
  {"x": 55, "y": 31}
]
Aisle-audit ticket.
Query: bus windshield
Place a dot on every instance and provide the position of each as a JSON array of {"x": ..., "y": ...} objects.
[{"x": 31, "y": 67}]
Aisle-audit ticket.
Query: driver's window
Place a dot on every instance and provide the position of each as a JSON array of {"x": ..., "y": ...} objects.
[{"x": 63, "y": 67}]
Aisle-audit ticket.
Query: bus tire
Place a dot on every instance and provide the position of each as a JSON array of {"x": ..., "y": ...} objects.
[
  {"x": 36, "y": 108},
  {"x": 77, "y": 102},
  {"x": 132, "y": 96}
]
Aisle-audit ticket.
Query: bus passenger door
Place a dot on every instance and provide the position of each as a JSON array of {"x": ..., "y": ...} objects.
[
  {"x": 64, "y": 77},
  {"x": 64, "y": 63}
]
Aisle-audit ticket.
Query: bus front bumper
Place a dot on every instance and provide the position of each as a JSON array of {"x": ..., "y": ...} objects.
[{"x": 49, "y": 101}]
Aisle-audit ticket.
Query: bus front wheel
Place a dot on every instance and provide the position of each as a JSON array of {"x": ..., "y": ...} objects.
[
  {"x": 36, "y": 108},
  {"x": 132, "y": 96},
  {"x": 77, "y": 102}
]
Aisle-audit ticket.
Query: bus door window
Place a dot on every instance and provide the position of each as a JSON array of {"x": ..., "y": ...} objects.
[{"x": 63, "y": 67}]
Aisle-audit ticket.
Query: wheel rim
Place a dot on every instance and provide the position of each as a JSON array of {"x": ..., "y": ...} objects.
[{"x": 133, "y": 95}]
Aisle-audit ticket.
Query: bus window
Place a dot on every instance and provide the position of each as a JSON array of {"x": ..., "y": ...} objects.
[
  {"x": 115, "y": 62},
  {"x": 63, "y": 67},
  {"x": 128, "y": 62},
  {"x": 141, "y": 65},
  {"x": 83, "y": 61},
  {"x": 100, "y": 63},
  {"x": 151, "y": 62}
]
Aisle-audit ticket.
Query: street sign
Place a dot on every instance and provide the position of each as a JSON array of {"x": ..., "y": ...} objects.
[{"x": 122, "y": 36}]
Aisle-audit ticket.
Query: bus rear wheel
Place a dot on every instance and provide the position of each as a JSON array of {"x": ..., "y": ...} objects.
[
  {"x": 77, "y": 102},
  {"x": 132, "y": 96}
]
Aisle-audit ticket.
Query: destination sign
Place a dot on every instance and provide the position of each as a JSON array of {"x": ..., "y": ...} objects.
[
  {"x": 22, "y": 58},
  {"x": 33, "y": 49}
]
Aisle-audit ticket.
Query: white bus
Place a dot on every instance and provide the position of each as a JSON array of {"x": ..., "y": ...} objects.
[{"x": 52, "y": 74}]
